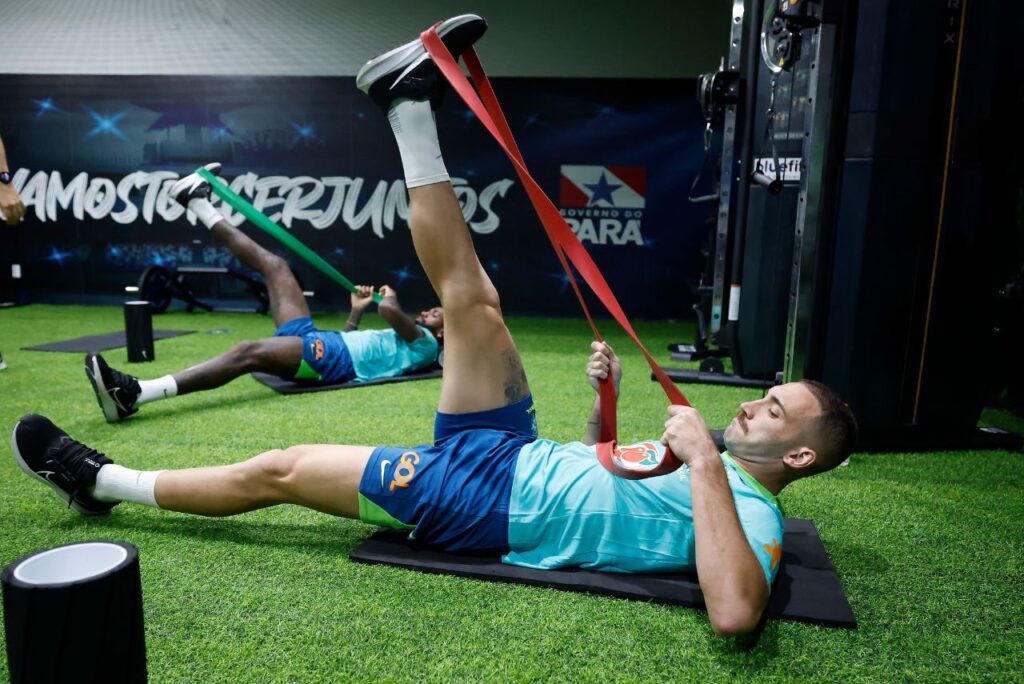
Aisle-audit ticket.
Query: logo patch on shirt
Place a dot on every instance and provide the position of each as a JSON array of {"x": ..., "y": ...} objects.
[
  {"x": 638, "y": 455},
  {"x": 775, "y": 551},
  {"x": 405, "y": 470},
  {"x": 318, "y": 349}
]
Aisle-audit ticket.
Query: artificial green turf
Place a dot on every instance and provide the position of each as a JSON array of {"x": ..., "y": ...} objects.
[{"x": 929, "y": 547}]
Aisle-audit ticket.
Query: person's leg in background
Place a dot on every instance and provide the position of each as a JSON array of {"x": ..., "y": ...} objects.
[{"x": 120, "y": 394}]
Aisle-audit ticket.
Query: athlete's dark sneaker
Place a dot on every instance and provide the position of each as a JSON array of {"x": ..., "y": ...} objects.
[
  {"x": 115, "y": 391},
  {"x": 45, "y": 452},
  {"x": 193, "y": 186},
  {"x": 408, "y": 72}
]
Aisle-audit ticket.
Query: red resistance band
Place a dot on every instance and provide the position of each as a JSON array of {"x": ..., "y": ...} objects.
[{"x": 566, "y": 245}]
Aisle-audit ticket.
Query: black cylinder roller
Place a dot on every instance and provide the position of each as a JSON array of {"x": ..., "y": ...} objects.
[
  {"x": 138, "y": 331},
  {"x": 74, "y": 614}
]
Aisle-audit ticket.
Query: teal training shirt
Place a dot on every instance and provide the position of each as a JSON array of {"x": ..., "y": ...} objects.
[
  {"x": 384, "y": 354},
  {"x": 566, "y": 510}
]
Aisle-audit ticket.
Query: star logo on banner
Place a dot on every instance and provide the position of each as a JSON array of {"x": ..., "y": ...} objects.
[{"x": 602, "y": 190}]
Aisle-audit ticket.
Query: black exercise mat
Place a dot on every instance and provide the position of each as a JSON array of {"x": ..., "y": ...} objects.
[
  {"x": 806, "y": 588},
  {"x": 297, "y": 387},
  {"x": 96, "y": 343}
]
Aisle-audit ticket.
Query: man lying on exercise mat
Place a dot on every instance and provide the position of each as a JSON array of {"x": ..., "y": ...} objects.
[
  {"x": 298, "y": 348},
  {"x": 487, "y": 483}
]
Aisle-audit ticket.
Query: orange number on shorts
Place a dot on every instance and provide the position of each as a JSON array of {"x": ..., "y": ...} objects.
[{"x": 405, "y": 470}]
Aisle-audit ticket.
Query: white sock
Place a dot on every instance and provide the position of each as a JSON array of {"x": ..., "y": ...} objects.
[
  {"x": 161, "y": 388},
  {"x": 116, "y": 483},
  {"x": 416, "y": 134},
  {"x": 205, "y": 212}
]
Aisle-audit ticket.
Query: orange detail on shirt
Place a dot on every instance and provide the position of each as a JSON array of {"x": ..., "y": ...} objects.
[{"x": 776, "y": 552}]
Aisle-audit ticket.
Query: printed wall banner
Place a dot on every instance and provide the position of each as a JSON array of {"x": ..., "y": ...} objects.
[
  {"x": 94, "y": 158},
  {"x": 604, "y": 204},
  {"x": 603, "y": 186}
]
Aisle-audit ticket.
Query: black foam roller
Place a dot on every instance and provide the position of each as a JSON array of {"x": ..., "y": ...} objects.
[
  {"x": 73, "y": 613},
  {"x": 138, "y": 330}
]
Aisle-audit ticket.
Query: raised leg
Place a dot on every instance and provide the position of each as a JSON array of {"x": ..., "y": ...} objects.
[
  {"x": 286, "y": 299},
  {"x": 482, "y": 368}
]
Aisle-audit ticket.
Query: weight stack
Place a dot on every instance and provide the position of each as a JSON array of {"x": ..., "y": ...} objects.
[
  {"x": 138, "y": 330},
  {"x": 73, "y": 613}
]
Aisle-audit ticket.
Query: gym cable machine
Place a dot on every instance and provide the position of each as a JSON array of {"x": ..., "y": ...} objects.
[{"x": 875, "y": 260}]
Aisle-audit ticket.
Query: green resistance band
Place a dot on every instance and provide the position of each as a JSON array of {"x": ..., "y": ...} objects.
[{"x": 222, "y": 190}]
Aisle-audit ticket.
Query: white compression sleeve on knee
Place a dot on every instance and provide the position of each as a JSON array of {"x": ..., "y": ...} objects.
[
  {"x": 161, "y": 388},
  {"x": 416, "y": 134},
  {"x": 205, "y": 212},
  {"x": 117, "y": 483}
]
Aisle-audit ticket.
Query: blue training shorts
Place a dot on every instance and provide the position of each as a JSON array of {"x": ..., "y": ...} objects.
[
  {"x": 454, "y": 494},
  {"x": 325, "y": 356}
]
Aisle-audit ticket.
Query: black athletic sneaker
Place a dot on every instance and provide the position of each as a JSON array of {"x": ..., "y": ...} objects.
[
  {"x": 193, "y": 186},
  {"x": 45, "y": 452},
  {"x": 115, "y": 391},
  {"x": 408, "y": 72}
]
